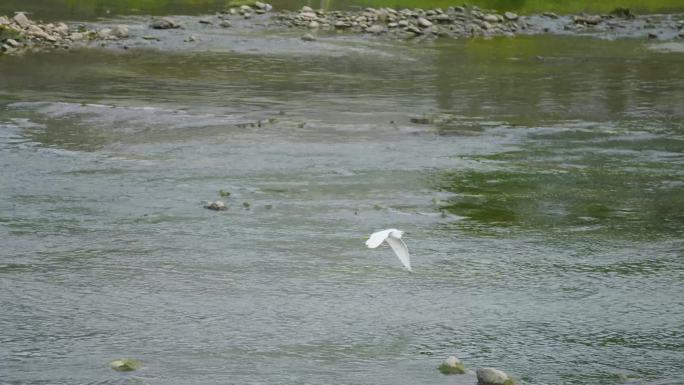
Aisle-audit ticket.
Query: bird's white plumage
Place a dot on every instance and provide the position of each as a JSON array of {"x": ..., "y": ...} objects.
[
  {"x": 377, "y": 238},
  {"x": 393, "y": 238}
]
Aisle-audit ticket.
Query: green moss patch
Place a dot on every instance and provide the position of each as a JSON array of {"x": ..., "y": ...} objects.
[
  {"x": 449, "y": 369},
  {"x": 125, "y": 365}
]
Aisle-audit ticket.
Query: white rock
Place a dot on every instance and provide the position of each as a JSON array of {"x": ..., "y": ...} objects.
[
  {"x": 424, "y": 23},
  {"x": 76, "y": 36},
  {"x": 306, "y": 9},
  {"x": 12, "y": 43},
  {"x": 4, "y": 20},
  {"x": 511, "y": 16},
  {"x": 491, "y": 376},
  {"x": 218, "y": 205},
  {"x": 120, "y": 31},
  {"x": 452, "y": 361},
  {"x": 314, "y": 24},
  {"x": 22, "y": 20},
  {"x": 104, "y": 33},
  {"x": 62, "y": 29},
  {"x": 491, "y": 18},
  {"x": 35, "y": 30}
]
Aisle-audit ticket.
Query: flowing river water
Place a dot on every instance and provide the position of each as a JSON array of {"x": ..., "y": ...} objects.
[{"x": 543, "y": 207}]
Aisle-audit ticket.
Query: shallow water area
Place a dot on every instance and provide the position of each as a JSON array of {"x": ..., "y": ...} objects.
[{"x": 543, "y": 207}]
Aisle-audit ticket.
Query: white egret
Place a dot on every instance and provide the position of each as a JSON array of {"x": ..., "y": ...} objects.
[{"x": 393, "y": 238}]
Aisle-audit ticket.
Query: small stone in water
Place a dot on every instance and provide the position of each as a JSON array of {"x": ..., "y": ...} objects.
[
  {"x": 125, "y": 365},
  {"x": 452, "y": 365},
  {"x": 217, "y": 206},
  {"x": 420, "y": 120}
]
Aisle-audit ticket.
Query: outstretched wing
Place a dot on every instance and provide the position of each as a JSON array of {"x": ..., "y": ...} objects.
[
  {"x": 401, "y": 251},
  {"x": 376, "y": 238}
]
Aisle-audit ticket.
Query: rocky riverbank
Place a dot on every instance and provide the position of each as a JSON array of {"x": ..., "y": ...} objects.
[
  {"x": 467, "y": 22},
  {"x": 19, "y": 33}
]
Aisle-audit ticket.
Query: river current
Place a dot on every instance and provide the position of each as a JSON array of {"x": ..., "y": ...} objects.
[{"x": 543, "y": 206}]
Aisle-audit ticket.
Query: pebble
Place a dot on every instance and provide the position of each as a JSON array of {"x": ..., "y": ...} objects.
[{"x": 225, "y": 24}]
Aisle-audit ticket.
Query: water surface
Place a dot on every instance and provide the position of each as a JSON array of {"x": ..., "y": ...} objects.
[{"x": 543, "y": 209}]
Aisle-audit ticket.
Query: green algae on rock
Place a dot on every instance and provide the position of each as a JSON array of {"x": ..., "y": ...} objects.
[{"x": 452, "y": 365}]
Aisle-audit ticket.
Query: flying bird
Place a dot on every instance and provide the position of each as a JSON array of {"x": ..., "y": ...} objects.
[{"x": 393, "y": 238}]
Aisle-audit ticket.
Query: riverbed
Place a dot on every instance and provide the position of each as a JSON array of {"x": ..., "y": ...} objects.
[{"x": 539, "y": 181}]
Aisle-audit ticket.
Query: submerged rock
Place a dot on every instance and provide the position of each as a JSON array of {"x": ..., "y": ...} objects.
[
  {"x": 491, "y": 376},
  {"x": 452, "y": 365},
  {"x": 125, "y": 365}
]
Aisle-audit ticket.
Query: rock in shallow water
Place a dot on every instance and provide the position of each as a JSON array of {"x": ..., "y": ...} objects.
[
  {"x": 125, "y": 365},
  {"x": 309, "y": 37},
  {"x": 452, "y": 365},
  {"x": 164, "y": 23},
  {"x": 491, "y": 376},
  {"x": 217, "y": 206}
]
